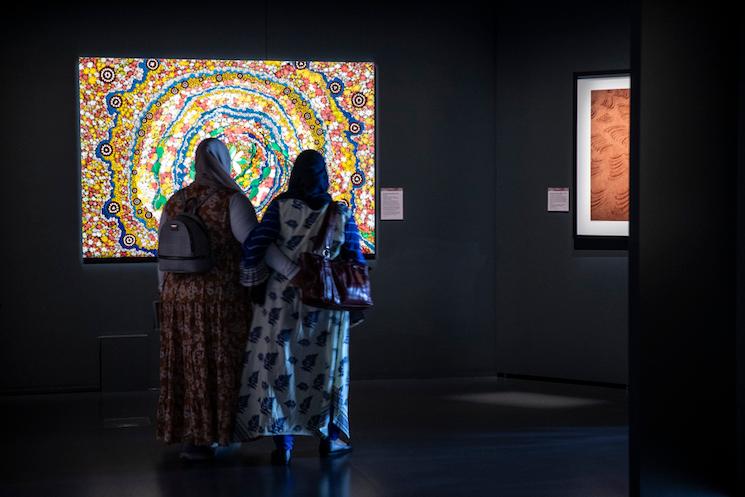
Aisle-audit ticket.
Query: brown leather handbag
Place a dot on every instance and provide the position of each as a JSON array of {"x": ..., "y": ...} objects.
[{"x": 332, "y": 284}]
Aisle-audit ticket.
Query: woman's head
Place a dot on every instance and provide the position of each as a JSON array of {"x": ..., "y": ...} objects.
[
  {"x": 309, "y": 177},
  {"x": 212, "y": 165},
  {"x": 309, "y": 180}
]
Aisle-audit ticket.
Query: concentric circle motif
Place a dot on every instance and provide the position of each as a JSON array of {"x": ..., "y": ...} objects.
[
  {"x": 138, "y": 137},
  {"x": 357, "y": 179},
  {"x": 107, "y": 74},
  {"x": 359, "y": 100},
  {"x": 105, "y": 149},
  {"x": 335, "y": 87},
  {"x": 344, "y": 202}
]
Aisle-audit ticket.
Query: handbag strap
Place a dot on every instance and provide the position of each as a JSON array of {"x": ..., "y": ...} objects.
[{"x": 325, "y": 239}]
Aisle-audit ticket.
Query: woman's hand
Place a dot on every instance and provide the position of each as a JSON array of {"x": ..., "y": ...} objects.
[{"x": 297, "y": 279}]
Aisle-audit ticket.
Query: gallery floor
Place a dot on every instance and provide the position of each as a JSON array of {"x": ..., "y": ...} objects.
[{"x": 470, "y": 437}]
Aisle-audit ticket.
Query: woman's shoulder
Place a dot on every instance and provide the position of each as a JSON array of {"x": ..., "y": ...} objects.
[
  {"x": 342, "y": 208},
  {"x": 298, "y": 204},
  {"x": 175, "y": 200}
]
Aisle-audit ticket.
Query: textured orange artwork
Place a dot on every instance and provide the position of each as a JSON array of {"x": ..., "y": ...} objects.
[{"x": 609, "y": 142}]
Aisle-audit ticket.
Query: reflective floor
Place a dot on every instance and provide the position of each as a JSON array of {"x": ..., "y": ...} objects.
[{"x": 455, "y": 437}]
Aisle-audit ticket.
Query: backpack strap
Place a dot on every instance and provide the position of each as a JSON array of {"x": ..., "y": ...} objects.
[{"x": 198, "y": 205}]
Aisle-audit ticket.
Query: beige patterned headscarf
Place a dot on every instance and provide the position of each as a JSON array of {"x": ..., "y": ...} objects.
[{"x": 213, "y": 165}]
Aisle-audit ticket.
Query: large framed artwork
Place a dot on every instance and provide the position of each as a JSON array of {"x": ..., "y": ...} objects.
[
  {"x": 601, "y": 169},
  {"x": 141, "y": 120}
]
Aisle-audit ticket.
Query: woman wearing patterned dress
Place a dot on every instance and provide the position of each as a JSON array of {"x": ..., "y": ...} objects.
[
  {"x": 205, "y": 316},
  {"x": 295, "y": 378}
]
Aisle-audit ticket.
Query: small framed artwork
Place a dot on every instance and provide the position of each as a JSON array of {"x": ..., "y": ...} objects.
[{"x": 601, "y": 159}]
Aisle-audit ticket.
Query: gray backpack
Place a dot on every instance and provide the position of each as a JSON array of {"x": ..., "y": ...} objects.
[{"x": 184, "y": 242}]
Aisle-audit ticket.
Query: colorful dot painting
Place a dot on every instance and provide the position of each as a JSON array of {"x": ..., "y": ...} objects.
[{"x": 142, "y": 119}]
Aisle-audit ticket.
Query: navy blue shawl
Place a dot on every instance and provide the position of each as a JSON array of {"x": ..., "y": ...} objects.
[{"x": 309, "y": 180}]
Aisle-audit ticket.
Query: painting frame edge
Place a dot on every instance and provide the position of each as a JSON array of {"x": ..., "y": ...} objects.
[
  {"x": 583, "y": 241},
  {"x": 370, "y": 258}
]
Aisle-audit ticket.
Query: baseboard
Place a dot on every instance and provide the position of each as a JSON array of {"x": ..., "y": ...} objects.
[
  {"x": 50, "y": 390},
  {"x": 551, "y": 379}
]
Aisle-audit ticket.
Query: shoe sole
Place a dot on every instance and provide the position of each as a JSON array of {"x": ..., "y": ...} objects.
[
  {"x": 336, "y": 453},
  {"x": 190, "y": 457}
]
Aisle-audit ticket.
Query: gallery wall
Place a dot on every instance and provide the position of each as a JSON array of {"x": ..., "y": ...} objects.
[
  {"x": 685, "y": 255},
  {"x": 474, "y": 123},
  {"x": 561, "y": 312},
  {"x": 741, "y": 271},
  {"x": 434, "y": 278}
]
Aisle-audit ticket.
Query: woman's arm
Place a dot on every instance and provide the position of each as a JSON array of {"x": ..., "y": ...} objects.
[
  {"x": 161, "y": 274},
  {"x": 253, "y": 266},
  {"x": 242, "y": 216},
  {"x": 350, "y": 249},
  {"x": 243, "y": 222}
]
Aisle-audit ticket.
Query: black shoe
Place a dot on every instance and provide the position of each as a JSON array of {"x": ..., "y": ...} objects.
[
  {"x": 333, "y": 448},
  {"x": 281, "y": 457},
  {"x": 191, "y": 452}
]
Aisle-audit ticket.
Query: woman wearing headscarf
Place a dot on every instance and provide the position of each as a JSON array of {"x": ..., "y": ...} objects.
[
  {"x": 295, "y": 378},
  {"x": 205, "y": 316}
]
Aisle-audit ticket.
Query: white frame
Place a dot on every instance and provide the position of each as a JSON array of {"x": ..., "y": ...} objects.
[{"x": 585, "y": 226}]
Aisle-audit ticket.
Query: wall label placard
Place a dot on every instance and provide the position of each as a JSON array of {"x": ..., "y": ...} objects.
[
  {"x": 558, "y": 200},
  {"x": 391, "y": 204}
]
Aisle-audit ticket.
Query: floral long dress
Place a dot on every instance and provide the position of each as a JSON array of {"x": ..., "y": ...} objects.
[
  {"x": 295, "y": 376},
  {"x": 204, "y": 321}
]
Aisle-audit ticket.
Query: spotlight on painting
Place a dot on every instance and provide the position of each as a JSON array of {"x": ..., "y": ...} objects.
[{"x": 142, "y": 119}]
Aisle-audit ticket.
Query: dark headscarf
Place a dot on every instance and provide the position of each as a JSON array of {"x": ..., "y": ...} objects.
[{"x": 309, "y": 180}]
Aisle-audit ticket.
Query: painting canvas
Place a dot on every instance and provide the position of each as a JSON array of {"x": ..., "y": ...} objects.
[
  {"x": 141, "y": 120},
  {"x": 602, "y": 152},
  {"x": 609, "y": 154}
]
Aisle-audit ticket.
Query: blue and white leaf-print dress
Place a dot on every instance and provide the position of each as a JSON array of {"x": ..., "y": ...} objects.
[{"x": 295, "y": 377}]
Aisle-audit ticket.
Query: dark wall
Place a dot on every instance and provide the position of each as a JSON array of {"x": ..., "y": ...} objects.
[
  {"x": 561, "y": 312},
  {"x": 741, "y": 272},
  {"x": 434, "y": 280},
  {"x": 684, "y": 253}
]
